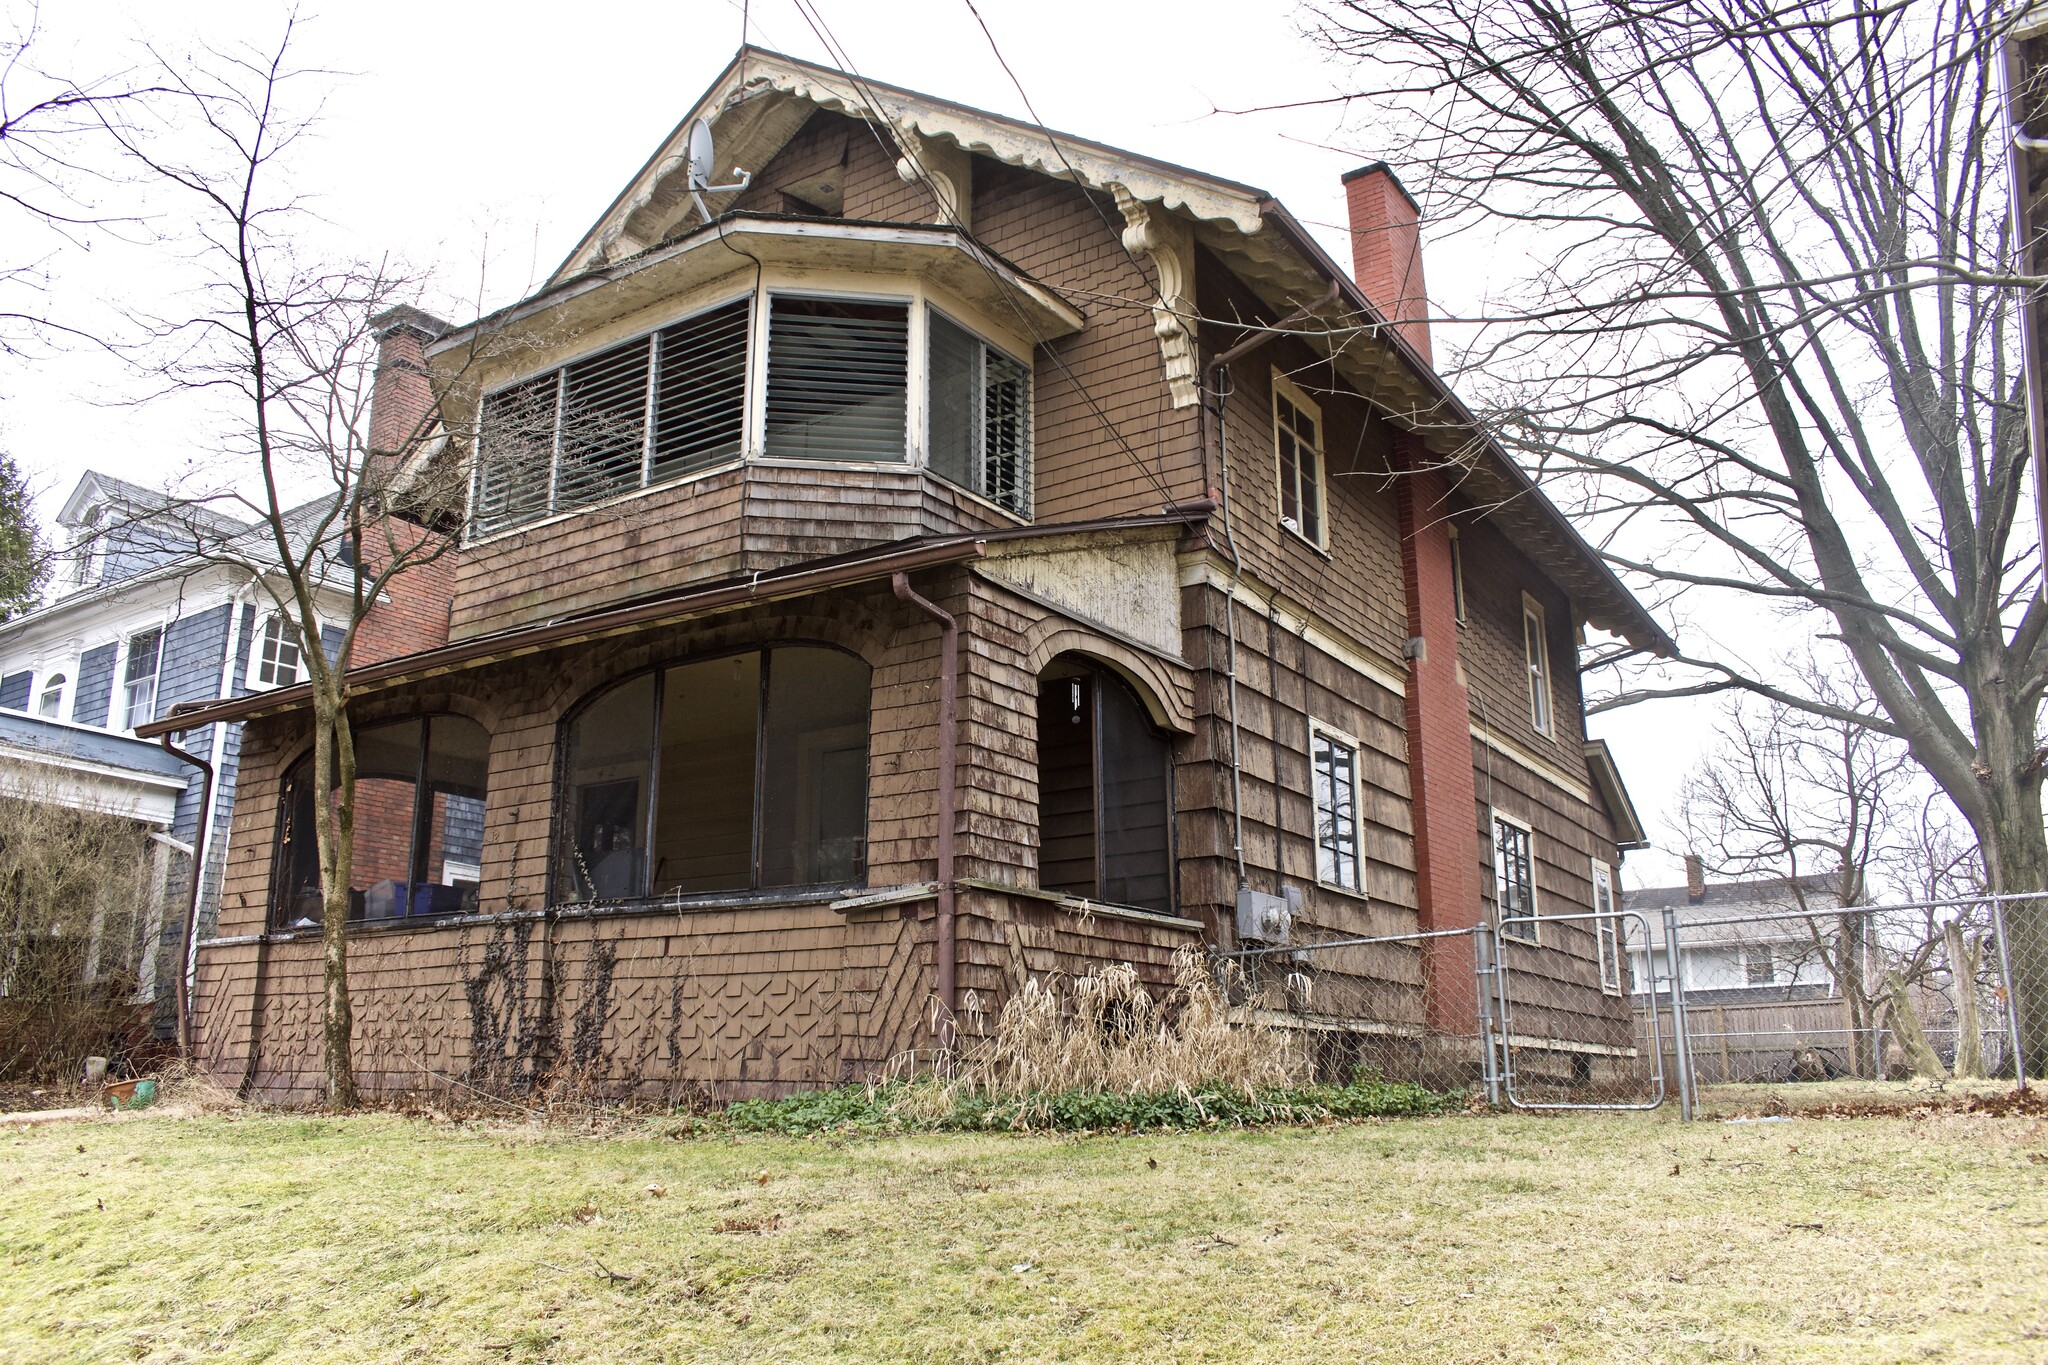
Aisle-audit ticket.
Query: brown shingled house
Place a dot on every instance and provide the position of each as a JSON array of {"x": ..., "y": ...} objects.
[{"x": 881, "y": 617}]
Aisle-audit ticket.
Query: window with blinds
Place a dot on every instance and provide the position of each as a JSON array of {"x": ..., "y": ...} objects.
[
  {"x": 838, "y": 380},
  {"x": 980, "y": 433},
  {"x": 652, "y": 409}
]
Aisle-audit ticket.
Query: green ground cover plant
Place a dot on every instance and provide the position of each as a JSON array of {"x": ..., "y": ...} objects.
[{"x": 244, "y": 1236}]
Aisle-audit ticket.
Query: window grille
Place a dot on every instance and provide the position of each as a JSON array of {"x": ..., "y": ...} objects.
[
  {"x": 1335, "y": 775},
  {"x": 278, "y": 657},
  {"x": 1514, "y": 879},
  {"x": 52, "y": 701},
  {"x": 837, "y": 379},
  {"x": 980, "y": 428}
]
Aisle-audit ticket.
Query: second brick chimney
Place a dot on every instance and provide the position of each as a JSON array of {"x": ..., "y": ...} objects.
[
  {"x": 1695, "y": 879},
  {"x": 1386, "y": 251}
]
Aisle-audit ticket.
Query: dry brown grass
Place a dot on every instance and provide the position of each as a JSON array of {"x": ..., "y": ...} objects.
[{"x": 1105, "y": 1033}]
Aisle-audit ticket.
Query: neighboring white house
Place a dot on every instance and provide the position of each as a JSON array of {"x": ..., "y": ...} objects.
[
  {"x": 135, "y": 620},
  {"x": 1754, "y": 959}
]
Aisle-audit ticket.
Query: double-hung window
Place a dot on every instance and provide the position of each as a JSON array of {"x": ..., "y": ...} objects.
[
  {"x": 1607, "y": 927},
  {"x": 1333, "y": 765},
  {"x": 1514, "y": 877},
  {"x": 1536, "y": 652},
  {"x": 1298, "y": 447},
  {"x": 637, "y": 414},
  {"x": 280, "y": 661},
  {"x": 138, "y": 679},
  {"x": 979, "y": 433}
]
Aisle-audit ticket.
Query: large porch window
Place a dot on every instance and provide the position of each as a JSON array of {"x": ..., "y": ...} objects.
[
  {"x": 1105, "y": 791},
  {"x": 743, "y": 772},
  {"x": 419, "y": 825}
]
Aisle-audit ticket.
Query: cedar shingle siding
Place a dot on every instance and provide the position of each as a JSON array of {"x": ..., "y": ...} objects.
[{"x": 772, "y": 990}]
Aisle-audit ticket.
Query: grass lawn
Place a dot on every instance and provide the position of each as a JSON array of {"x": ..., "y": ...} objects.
[{"x": 376, "y": 1238}]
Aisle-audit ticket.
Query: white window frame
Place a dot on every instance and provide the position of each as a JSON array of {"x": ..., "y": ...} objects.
[
  {"x": 1534, "y": 934},
  {"x": 123, "y": 684},
  {"x": 258, "y": 644},
  {"x": 1607, "y": 928},
  {"x": 1330, "y": 733},
  {"x": 62, "y": 681},
  {"x": 1458, "y": 606},
  {"x": 1770, "y": 957},
  {"x": 1536, "y": 661},
  {"x": 921, "y": 436},
  {"x": 1286, "y": 390}
]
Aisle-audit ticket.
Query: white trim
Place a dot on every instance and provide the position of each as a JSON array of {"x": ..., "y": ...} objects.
[
  {"x": 1540, "y": 667},
  {"x": 1207, "y": 569},
  {"x": 1285, "y": 388},
  {"x": 1607, "y": 936},
  {"x": 1357, "y": 748},
  {"x": 252, "y": 671},
  {"x": 1534, "y": 913},
  {"x": 1535, "y": 764}
]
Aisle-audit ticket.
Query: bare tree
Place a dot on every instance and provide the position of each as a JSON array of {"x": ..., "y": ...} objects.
[
  {"x": 341, "y": 510},
  {"x": 54, "y": 154},
  {"x": 1812, "y": 802},
  {"x": 1768, "y": 337}
]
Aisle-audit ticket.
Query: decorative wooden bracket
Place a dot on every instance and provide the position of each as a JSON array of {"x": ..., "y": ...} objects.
[
  {"x": 1169, "y": 243},
  {"x": 943, "y": 164}
]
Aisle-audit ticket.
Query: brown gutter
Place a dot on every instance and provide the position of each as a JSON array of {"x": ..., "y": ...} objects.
[
  {"x": 811, "y": 576},
  {"x": 185, "y": 935},
  {"x": 946, "y": 950}
]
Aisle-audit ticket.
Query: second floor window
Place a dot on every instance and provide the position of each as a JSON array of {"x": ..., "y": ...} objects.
[
  {"x": 138, "y": 679},
  {"x": 1536, "y": 649},
  {"x": 838, "y": 372},
  {"x": 1333, "y": 762},
  {"x": 51, "y": 704},
  {"x": 980, "y": 433},
  {"x": 1298, "y": 445},
  {"x": 279, "y": 662},
  {"x": 641, "y": 413},
  {"x": 1514, "y": 878}
]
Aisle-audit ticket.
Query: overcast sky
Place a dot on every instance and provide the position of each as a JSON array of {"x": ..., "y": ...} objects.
[{"x": 468, "y": 138}]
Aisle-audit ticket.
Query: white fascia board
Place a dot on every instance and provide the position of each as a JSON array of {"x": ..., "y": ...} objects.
[{"x": 84, "y": 785}]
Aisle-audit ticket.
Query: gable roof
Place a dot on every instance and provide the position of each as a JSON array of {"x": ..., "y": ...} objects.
[{"x": 762, "y": 98}]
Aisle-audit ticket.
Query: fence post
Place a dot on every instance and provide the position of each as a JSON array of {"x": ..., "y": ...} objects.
[
  {"x": 1681, "y": 1045},
  {"x": 1486, "y": 968},
  {"x": 2012, "y": 1000}
]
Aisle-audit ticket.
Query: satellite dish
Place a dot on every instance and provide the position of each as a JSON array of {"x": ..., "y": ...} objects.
[
  {"x": 700, "y": 155},
  {"x": 701, "y": 166}
]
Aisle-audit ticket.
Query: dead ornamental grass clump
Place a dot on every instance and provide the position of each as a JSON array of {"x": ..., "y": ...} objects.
[{"x": 1103, "y": 1033}]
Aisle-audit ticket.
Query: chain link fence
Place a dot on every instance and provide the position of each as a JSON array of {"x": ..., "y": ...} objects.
[{"x": 1626, "y": 1010}]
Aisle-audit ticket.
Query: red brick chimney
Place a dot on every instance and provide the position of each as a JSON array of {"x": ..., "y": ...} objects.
[
  {"x": 400, "y": 398},
  {"x": 1386, "y": 251},
  {"x": 1695, "y": 879}
]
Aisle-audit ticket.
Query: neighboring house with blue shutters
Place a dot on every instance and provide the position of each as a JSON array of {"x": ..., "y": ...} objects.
[{"x": 140, "y": 617}]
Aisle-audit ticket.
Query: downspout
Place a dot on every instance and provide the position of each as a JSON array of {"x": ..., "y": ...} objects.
[
  {"x": 1210, "y": 373},
  {"x": 945, "y": 951},
  {"x": 184, "y": 992}
]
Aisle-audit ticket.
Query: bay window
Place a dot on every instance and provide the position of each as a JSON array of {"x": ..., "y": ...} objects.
[
  {"x": 737, "y": 773},
  {"x": 979, "y": 437}
]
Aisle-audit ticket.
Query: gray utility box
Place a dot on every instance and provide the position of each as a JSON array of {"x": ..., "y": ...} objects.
[{"x": 1263, "y": 917}]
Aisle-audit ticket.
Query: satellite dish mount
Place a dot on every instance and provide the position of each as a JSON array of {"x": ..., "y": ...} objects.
[{"x": 701, "y": 165}]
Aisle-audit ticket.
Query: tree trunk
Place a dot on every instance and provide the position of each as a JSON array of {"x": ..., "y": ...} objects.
[
  {"x": 1906, "y": 1028},
  {"x": 1848, "y": 962},
  {"x": 334, "y": 774},
  {"x": 1962, "y": 972}
]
